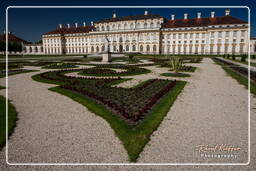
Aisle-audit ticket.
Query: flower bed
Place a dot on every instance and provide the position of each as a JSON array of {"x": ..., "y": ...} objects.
[
  {"x": 59, "y": 66},
  {"x": 186, "y": 69},
  {"x": 133, "y": 113},
  {"x": 175, "y": 74},
  {"x": 103, "y": 70},
  {"x": 130, "y": 105}
]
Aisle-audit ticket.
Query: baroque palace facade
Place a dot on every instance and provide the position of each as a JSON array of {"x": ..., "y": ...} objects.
[{"x": 151, "y": 34}]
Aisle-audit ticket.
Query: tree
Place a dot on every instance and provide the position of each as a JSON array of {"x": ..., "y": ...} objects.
[{"x": 2, "y": 45}]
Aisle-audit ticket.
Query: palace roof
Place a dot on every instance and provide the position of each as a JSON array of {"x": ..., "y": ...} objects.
[
  {"x": 66, "y": 30},
  {"x": 127, "y": 18},
  {"x": 199, "y": 22},
  {"x": 11, "y": 38}
]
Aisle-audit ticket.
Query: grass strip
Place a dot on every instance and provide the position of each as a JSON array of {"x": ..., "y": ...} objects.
[{"x": 12, "y": 118}]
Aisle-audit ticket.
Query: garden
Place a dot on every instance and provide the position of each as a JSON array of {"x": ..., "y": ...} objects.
[{"x": 133, "y": 113}]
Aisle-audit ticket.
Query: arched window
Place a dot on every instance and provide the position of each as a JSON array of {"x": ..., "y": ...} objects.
[
  {"x": 97, "y": 49},
  {"x": 125, "y": 26},
  {"x": 107, "y": 27},
  {"x": 36, "y": 50},
  {"x": 103, "y": 48},
  {"x": 127, "y": 48},
  {"x": 92, "y": 49},
  {"x": 154, "y": 48},
  {"x": 133, "y": 48},
  {"x": 141, "y": 48},
  {"x": 120, "y": 39},
  {"x": 114, "y": 48},
  {"x": 152, "y": 25},
  {"x": 113, "y": 27},
  {"x": 131, "y": 26},
  {"x": 30, "y": 49},
  {"x": 102, "y": 28},
  {"x": 138, "y": 25},
  {"x": 145, "y": 25},
  {"x": 148, "y": 48},
  {"x": 119, "y": 26}
]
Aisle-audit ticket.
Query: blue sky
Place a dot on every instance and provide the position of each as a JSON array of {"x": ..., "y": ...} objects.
[{"x": 30, "y": 23}]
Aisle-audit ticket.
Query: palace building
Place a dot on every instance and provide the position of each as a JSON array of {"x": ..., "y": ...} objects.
[{"x": 152, "y": 34}]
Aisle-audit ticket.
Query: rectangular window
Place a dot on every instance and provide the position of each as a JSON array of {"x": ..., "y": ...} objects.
[
  {"x": 219, "y": 34},
  {"x": 243, "y": 33},
  {"x": 179, "y": 36},
  {"x": 235, "y": 33},
  {"x": 227, "y": 34}
]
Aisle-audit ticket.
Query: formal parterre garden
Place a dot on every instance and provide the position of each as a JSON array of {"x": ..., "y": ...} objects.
[{"x": 133, "y": 113}]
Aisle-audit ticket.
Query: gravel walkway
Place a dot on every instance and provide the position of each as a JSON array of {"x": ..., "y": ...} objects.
[
  {"x": 211, "y": 109},
  {"x": 54, "y": 128}
]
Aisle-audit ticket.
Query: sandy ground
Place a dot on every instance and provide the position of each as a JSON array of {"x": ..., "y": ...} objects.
[{"x": 212, "y": 109}]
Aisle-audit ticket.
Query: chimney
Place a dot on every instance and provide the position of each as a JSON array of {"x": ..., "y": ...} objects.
[
  {"x": 91, "y": 23},
  {"x": 199, "y": 15},
  {"x": 60, "y": 25},
  {"x": 227, "y": 12},
  {"x": 212, "y": 14},
  {"x": 146, "y": 12},
  {"x": 68, "y": 25},
  {"x": 114, "y": 15},
  {"x": 84, "y": 23},
  {"x": 185, "y": 16},
  {"x": 76, "y": 25},
  {"x": 172, "y": 16}
]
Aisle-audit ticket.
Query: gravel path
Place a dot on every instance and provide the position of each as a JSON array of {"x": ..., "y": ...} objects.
[
  {"x": 211, "y": 109},
  {"x": 54, "y": 128}
]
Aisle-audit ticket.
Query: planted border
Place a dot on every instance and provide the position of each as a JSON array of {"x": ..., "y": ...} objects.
[{"x": 107, "y": 70}]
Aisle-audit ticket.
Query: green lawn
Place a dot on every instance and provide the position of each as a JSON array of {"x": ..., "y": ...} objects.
[{"x": 12, "y": 118}]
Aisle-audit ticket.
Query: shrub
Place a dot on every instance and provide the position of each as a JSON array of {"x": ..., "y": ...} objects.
[
  {"x": 85, "y": 56},
  {"x": 253, "y": 56},
  {"x": 224, "y": 56},
  {"x": 131, "y": 57},
  {"x": 233, "y": 57},
  {"x": 243, "y": 58},
  {"x": 228, "y": 56},
  {"x": 176, "y": 63}
]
